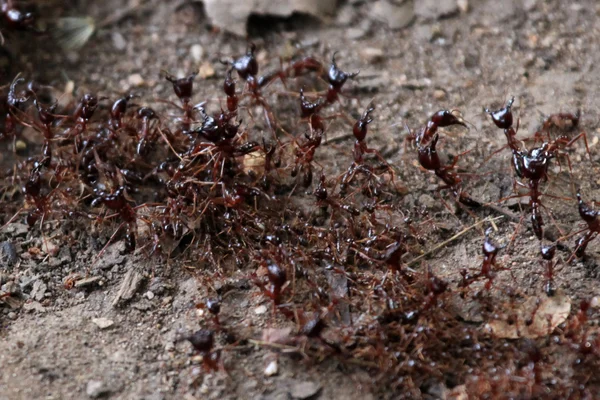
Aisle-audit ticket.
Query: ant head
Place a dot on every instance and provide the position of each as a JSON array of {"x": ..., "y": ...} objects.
[
  {"x": 183, "y": 87},
  {"x": 489, "y": 247},
  {"x": 503, "y": 117},
  {"x": 277, "y": 276},
  {"x": 444, "y": 118},
  {"x": 146, "y": 113},
  {"x": 548, "y": 252}
]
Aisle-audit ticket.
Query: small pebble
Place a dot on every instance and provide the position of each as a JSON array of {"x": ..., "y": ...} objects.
[
  {"x": 372, "y": 54},
  {"x": 272, "y": 368},
  {"x": 119, "y": 41},
  {"x": 206, "y": 70},
  {"x": 196, "y": 51},
  {"x": 260, "y": 310},
  {"x": 135, "y": 80},
  {"x": 305, "y": 390},
  {"x": 149, "y": 295},
  {"x": 103, "y": 323},
  {"x": 439, "y": 94},
  {"x": 95, "y": 389}
]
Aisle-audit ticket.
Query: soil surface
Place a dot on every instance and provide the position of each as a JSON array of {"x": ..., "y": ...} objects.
[{"x": 115, "y": 334}]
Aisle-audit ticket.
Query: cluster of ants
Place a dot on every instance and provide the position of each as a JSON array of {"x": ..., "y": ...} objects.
[{"x": 234, "y": 184}]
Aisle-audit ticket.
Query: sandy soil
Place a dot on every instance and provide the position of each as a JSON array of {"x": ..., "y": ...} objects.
[{"x": 542, "y": 52}]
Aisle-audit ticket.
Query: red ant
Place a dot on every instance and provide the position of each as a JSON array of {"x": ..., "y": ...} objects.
[
  {"x": 14, "y": 18},
  {"x": 277, "y": 277},
  {"x": 305, "y": 153},
  {"x": 336, "y": 79},
  {"x": 590, "y": 217},
  {"x": 145, "y": 133},
  {"x": 117, "y": 202},
  {"x": 426, "y": 140},
  {"x": 183, "y": 88},
  {"x": 203, "y": 342},
  {"x": 14, "y": 102},
  {"x": 548, "y": 253},
  {"x": 489, "y": 267},
  {"x": 118, "y": 110},
  {"x": 530, "y": 164},
  {"x": 360, "y": 130},
  {"x": 323, "y": 198}
]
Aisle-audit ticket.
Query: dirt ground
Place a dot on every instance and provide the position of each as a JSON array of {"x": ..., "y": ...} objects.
[{"x": 56, "y": 345}]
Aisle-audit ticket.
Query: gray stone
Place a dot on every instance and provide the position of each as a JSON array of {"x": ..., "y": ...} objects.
[{"x": 435, "y": 9}]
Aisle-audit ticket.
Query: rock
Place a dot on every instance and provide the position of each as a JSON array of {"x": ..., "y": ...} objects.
[
  {"x": 96, "y": 389},
  {"x": 34, "y": 306},
  {"x": 439, "y": 94},
  {"x": 130, "y": 285},
  {"x": 272, "y": 368},
  {"x": 463, "y": 5},
  {"x": 38, "y": 291},
  {"x": 206, "y": 70},
  {"x": 103, "y": 323},
  {"x": 260, "y": 310},
  {"x": 135, "y": 80},
  {"x": 16, "y": 229},
  {"x": 372, "y": 55},
  {"x": 197, "y": 51},
  {"x": 305, "y": 390},
  {"x": 8, "y": 254},
  {"x": 118, "y": 41},
  {"x": 395, "y": 17},
  {"x": 232, "y": 15},
  {"x": 426, "y": 201},
  {"x": 149, "y": 295},
  {"x": 435, "y": 9}
]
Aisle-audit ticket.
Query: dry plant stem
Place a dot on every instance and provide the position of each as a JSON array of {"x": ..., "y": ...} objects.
[{"x": 453, "y": 238}]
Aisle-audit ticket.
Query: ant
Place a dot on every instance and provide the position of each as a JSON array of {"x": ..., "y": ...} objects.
[
  {"x": 203, "y": 342},
  {"x": 489, "y": 267},
  {"x": 360, "y": 130},
  {"x": 323, "y": 198},
  {"x": 15, "y": 18},
  {"x": 277, "y": 278},
  {"x": 590, "y": 217},
  {"x": 183, "y": 88},
  {"x": 14, "y": 102},
  {"x": 548, "y": 253},
  {"x": 118, "y": 202},
  {"x": 336, "y": 79},
  {"x": 305, "y": 152},
  {"x": 530, "y": 164},
  {"x": 118, "y": 110},
  {"x": 426, "y": 139}
]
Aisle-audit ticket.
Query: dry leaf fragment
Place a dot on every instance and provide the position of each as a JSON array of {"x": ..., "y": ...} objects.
[{"x": 537, "y": 317}]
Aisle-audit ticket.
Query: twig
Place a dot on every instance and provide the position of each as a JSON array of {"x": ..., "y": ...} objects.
[{"x": 453, "y": 238}]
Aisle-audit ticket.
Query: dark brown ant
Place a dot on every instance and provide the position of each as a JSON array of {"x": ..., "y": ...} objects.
[
  {"x": 203, "y": 342},
  {"x": 489, "y": 266},
  {"x": 336, "y": 79},
  {"x": 213, "y": 305},
  {"x": 146, "y": 115},
  {"x": 305, "y": 152},
  {"x": 360, "y": 130},
  {"x": 16, "y": 19},
  {"x": 117, "y": 202},
  {"x": 14, "y": 102},
  {"x": 590, "y": 217},
  {"x": 531, "y": 165},
  {"x": 426, "y": 140},
  {"x": 325, "y": 200},
  {"x": 118, "y": 110},
  {"x": 277, "y": 278},
  {"x": 184, "y": 88},
  {"x": 548, "y": 253}
]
